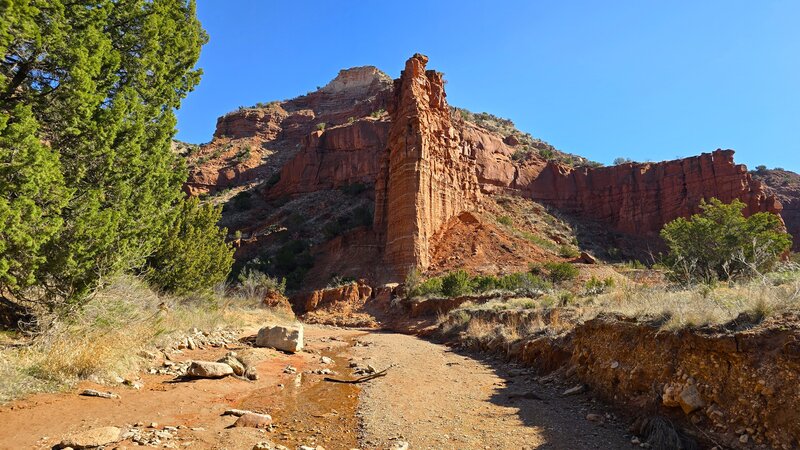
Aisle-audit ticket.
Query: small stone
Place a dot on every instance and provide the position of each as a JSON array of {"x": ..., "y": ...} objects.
[
  {"x": 253, "y": 420},
  {"x": 265, "y": 445},
  {"x": 96, "y": 437},
  {"x": 594, "y": 417},
  {"x": 744, "y": 438},
  {"x": 574, "y": 390},
  {"x": 236, "y": 365},
  {"x": 289, "y": 369},
  {"x": 635, "y": 440},
  {"x": 326, "y": 360},
  {"x": 690, "y": 399},
  {"x": 153, "y": 425},
  {"x": 206, "y": 369},
  {"x": 399, "y": 445},
  {"x": 614, "y": 364}
]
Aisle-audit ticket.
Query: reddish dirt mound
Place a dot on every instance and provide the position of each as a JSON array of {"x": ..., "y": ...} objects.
[{"x": 467, "y": 242}]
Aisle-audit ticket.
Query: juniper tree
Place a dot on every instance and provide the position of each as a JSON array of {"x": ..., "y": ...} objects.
[{"x": 90, "y": 87}]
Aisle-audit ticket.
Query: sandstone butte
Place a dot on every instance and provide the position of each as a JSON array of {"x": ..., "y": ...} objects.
[{"x": 424, "y": 166}]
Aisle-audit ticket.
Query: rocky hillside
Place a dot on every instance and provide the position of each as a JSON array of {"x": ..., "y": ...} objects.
[
  {"x": 370, "y": 177},
  {"x": 785, "y": 185}
]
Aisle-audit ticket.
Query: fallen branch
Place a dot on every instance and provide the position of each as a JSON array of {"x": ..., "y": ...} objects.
[
  {"x": 95, "y": 393},
  {"x": 382, "y": 373}
]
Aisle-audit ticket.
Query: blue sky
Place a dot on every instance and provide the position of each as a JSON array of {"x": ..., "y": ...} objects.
[{"x": 648, "y": 80}]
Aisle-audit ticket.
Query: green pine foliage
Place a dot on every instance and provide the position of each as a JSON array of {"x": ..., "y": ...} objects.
[
  {"x": 88, "y": 92},
  {"x": 32, "y": 196},
  {"x": 194, "y": 255},
  {"x": 721, "y": 244}
]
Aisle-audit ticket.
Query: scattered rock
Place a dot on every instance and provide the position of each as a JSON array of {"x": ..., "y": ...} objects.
[
  {"x": 281, "y": 337},
  {"x": 265, "y": 445},
  {"x": 289, "y": 369},
  {"x": 236, "y": 365},
  {"x": 95, "y": 393},
  {"x": 574, "y": 390},
  {"x": 207, "y": 369},
  {"x": 744, "y": 438},
  {"x": 594, "y": 417},
  {"x": 690, "y": 399},
  {"x": 399, "y": 445},
  {"x": 236, "y": 412},
  {"x": 251, "y": 373},
  {"x": 96, "y": 437},
  {"x": 326, "y": 360},
  {"x": 253, "y": 420}
]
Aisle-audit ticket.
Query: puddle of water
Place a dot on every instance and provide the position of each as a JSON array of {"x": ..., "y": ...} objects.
[{"x": 310, "y": 411}]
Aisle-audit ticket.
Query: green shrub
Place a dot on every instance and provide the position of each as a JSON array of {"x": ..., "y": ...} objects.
[
  {"x": 484, "y": 283},
  {"x": 194, "y": 255},
  {"x": 431, "y": 286},
  {"x": 505, "y": 220},
  {"x": 568, "y": 251},
  {"x": 377, "y": 114},
  {"x": 595, "y": 286},
  {"x": 321, "y": 126},
  {"x": 523, "y": 282},
  {"x": 721, "y": 244},
  {"x": 456, "y": 283},
  {"x": 243, "y": 154},
  {"x": 559, "y": 272},
  {"x": 254, "y": 284}
]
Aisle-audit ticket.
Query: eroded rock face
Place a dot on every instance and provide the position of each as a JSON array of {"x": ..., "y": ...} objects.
[
  {"x": 335, "y": 157},
  {"x": 426, "y": 176},
  {"x": 639, "y": 199}
]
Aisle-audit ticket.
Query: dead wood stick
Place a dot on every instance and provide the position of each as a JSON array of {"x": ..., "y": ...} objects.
[{"x": 382, "y": 373}]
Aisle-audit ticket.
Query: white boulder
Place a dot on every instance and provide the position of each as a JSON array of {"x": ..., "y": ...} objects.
[{"x": 288, "y": 338}]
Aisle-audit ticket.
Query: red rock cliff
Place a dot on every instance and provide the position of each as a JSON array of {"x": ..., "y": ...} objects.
[
  {"x": 639, "y": 199},
  {"x": 427, "y": 177}
]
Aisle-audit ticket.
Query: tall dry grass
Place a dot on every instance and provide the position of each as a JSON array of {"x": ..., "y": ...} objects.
[
  {"x": 105, "y": 337},
  {"x": 674, "y": 307}
]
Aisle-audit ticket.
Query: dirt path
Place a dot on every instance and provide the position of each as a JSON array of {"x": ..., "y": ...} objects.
[
  {"x": 438, "y": 399},
  {"x": 434, "y": 398}
]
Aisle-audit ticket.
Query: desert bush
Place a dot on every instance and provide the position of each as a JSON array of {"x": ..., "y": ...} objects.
[
  {"x": 194, "y": 254},
  {"x": 456, "y": 283},
  {"x": 559, "y": 272},
  {"x": 242, "y": 201},
  {"x": 321, "y": 126},
  {"x": 721, "y": 244},
  {"x": 523, "y": 282},
  {"x": 568, "y": 251},
  {"x": 254, "y": 284},
  {"x": 431, "y": 286},
  {"x": 595, "y": 286},
  {"x": 505, "y": 220}
]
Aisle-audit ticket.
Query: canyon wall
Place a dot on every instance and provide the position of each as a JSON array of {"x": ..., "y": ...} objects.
[
  {"x": 639, "y": 199},
  {"x": 424, "y": 164}
]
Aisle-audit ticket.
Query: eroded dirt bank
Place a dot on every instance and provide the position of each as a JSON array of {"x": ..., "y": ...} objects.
[{"x": 733, "y": 385}]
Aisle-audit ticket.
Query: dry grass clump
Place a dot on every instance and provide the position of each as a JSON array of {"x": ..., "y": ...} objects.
[{"x": 104, "y": 338}]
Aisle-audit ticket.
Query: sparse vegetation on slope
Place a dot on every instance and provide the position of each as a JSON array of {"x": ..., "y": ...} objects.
[{"x": 104, "y": 339}]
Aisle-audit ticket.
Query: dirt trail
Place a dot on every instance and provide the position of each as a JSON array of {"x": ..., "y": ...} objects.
[
  {"x": 433, "y": 398},
  {"x": 438, "y": 399}
]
